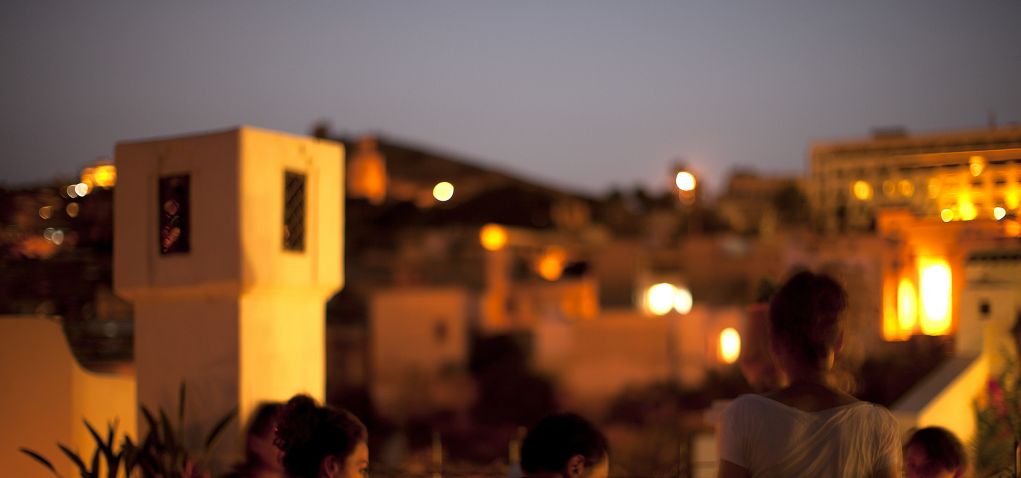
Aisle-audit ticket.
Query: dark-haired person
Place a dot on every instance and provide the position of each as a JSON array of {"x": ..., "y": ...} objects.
[
  {"x": 809, "y": 427},
  {"x": 934, "y": 452},
  {"x": 262, "y": 457},
  {"x": 321, "y": 441},
  {"x": 565, "y": 445}
]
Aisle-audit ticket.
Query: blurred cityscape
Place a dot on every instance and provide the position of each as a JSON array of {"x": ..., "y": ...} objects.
[{"x": 475, "y": 300}]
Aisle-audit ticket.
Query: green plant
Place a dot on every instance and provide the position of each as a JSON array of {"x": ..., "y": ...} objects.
[
  {"x": 162, "y": 452},
  {"x": 104, "y": 457},
  {"x": 998, "y": 424}
]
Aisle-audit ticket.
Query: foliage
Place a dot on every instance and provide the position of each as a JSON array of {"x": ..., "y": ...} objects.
[
  {"x": 161, "y": 453},
  {"x": 998, "y": 424}
]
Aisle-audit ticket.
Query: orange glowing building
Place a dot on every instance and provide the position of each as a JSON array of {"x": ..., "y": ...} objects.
[
  {"x": 950, "y": 176},
  {"x": 932, "y": 198}
]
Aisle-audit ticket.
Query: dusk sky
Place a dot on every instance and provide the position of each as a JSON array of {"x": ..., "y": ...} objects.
[{"x": 586, "y": 94}]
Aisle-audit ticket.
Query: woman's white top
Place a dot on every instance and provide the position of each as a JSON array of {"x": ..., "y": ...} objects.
[{"x": 771, "y": 439}]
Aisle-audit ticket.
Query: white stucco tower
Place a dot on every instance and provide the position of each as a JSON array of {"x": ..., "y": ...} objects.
[{"x": 228, "y": 244}]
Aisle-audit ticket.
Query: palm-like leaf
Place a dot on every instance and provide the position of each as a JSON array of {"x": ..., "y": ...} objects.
[
  {"x": 217, "y": 430},
  {"x": 39, "y": 458}
]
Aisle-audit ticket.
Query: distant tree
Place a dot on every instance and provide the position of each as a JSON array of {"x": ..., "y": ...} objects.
[
  {"x": 510, "y": 392},
  {"x": 322, "y": 129},
  {"x": 791, "y": 206}
]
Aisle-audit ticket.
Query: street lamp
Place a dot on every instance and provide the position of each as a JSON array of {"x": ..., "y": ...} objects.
[{"x": 685, "y": 181}]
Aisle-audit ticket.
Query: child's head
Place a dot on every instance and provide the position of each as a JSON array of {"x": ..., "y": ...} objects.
[
  {"x": 565, "y": 445},
  {"x": 934, "y": 452}
]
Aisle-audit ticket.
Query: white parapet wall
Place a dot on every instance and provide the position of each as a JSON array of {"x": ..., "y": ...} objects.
[
  {"x": 945, "y": 397},
  {"x": 47, "y": 394}
]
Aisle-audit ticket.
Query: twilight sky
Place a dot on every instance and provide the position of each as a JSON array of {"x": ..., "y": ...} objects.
[{"x": 584, "y": 93}]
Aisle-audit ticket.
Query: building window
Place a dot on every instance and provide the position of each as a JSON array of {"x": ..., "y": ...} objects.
[
  {"x": 174, "y": 207},
  {"x": 294, "y": 211}
]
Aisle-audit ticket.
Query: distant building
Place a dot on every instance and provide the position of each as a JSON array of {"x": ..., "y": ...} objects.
[
  {"x": 949, "y": 176},
  {"x": 754, "y": 203}
]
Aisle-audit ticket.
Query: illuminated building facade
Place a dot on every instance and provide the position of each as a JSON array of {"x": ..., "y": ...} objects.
[{"x": 951, "y": 176}]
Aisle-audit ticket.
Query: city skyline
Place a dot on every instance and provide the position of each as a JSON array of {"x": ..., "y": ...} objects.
[{"x": 582, "y": 95}]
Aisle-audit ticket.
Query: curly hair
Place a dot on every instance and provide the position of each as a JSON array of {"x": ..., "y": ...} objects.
[{"x": 308, "y": 433}]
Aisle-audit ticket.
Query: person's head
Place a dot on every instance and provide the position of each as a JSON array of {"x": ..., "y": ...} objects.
[
  {"x": 260, "y": 434},
  {"x": 934, "y": 452},
  {"x": 805, "y": 318},
  {"x": 565, "y": 445},
  {"x": 321, "y": 442}
]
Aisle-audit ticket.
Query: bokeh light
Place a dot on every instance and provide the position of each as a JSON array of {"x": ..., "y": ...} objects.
[
  {"x": 659, "y": 298},
  {"x": 730, "y": 345},
  {"x": 946, "y": 215},
  {"x": 443, "y": 191},
  {"x": 104, "y": 176},
  {"x": 999, "y": 213},
  {"x": 551, "y": 264},
  {"x": 72, "y": 209},
  {"x": 907, "y": 189},
  {"x": 685, "y": 181},
  {"x": 907, "y": 307},
  {"x": 862, "y": 190},
  {"x": 81, "y": 189},
  {"x": 683, "y": 301},
  {"x": 976, "y": 164},
  {"x": 493, "y": 237},
  {"x": 967, "y": 210},
  {"x": 936, "y": 287}
]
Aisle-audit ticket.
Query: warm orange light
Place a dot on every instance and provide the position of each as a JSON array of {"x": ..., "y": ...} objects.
[
  {"x": 862, "y": 190},
  {"x": 1012, "y": 228},
  {"x": 730, "y": 345},
  {"x": 936, "y": 289},
  {"x": 967, "y": 210},
  {"x": 104, "y": 176},
  {"x": 46, "y": 212},
  {"x": 659, "y": 299},
  {"x": 1012, "y": 199},
  {"x": 493, "y": 237},
  {"x": 685, "y": 181},
  {"x": 946, "y": 215},
  {"x": 551, "y": 264},
  {"x": 72, "y": 209},
  {"x": 889, "y": 188},
  {"x": 907, "y": 307},
  {"x": 683, "y": 302},
  {"x": 976, "y": 164},
  {"x": 907, "y": 189},
  {"x": 443, "y": 191},
  {"x": 999, "y": 213}
]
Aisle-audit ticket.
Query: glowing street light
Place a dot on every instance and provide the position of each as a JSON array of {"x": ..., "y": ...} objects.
[
  {"x": 551, "y": 264},
  {"x": 862, "y": 190},
  {"x": 443, "y": 191},
  {"x": 493, "y": 237},
  {"x": 659, "y": 299},
  {"x": 104, "y": 175},
  {"x": 685, "y": 181},
  {"x": 683, "y": 300},
  {"x": 730, "y": 345},
  {"x": 999, "y": 213}
]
